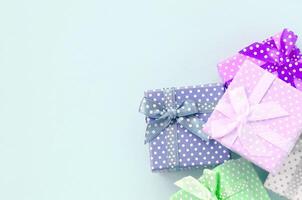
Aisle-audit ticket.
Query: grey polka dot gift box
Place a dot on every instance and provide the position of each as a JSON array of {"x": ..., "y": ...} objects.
[
  {"x": 175, "y": 117},
  {"x": 287, "y": 181}
]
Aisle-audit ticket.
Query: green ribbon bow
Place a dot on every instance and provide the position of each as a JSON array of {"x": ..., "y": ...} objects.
[
  {"x": 208, "y": 186},
  {"x": 164, "y": 115}
]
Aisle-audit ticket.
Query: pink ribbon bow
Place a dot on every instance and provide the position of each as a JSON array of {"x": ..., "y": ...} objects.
[{"x": 242, "y": 115}]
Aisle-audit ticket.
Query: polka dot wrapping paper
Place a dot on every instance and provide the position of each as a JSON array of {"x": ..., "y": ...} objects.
[
  {"x": 233, "y": 180},
  {"x": 258, "y": 117},
  {"x": 287, "y": 181},
  {"x": 277, "y": 54},
  {"x": 176, "y": 147}
]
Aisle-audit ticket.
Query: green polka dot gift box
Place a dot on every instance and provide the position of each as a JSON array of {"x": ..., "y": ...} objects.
[
  {"x": 233, "y": 180},
  {"x": 175, "y": 117}
]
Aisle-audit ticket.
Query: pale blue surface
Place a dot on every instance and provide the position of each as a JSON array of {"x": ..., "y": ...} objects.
[{"x": 73, "y": 74}]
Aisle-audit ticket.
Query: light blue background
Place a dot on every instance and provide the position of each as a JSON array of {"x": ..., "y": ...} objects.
[{"x": 73, "y": 73}]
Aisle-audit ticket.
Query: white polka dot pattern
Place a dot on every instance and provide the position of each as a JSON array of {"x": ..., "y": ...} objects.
[
  {"x": 233, "y": 180},
  {"x": 287, "y": 181},
  {"x": 261, "y": 53},
  {"x": 287, "y": 127},
  {"x": 192, "y": 151}
]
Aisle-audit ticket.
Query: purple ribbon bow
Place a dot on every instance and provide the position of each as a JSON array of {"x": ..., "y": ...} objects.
[{"x": 282, "y": 58}]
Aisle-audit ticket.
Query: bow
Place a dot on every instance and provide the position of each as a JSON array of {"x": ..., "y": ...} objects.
[
  {"x": 161, "y": 116},
  {"x": 281, "y": 57},
  {"x": 208, "y": 186},
  {"x": 241, "y": 115}
]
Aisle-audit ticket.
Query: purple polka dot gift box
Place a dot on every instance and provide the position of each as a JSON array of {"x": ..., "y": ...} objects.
[
  {"x": 175, "y": 117},
  {"x": 277, "y": 54}
]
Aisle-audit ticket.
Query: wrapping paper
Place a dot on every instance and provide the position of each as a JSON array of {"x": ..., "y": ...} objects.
[
  {"x": 233, "y": 180},
  {"x": 277, "y": 54},
  {"x": 176, "y": 147},
  {"x": 259, "y": 117},
  {"x": 287, "y": 181}
]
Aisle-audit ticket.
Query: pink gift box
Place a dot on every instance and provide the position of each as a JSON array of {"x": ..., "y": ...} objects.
[
  {"x": 259, "y": 117},
  {"x": 277, "y": 54}
]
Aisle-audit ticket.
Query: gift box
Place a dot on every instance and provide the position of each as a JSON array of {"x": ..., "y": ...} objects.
[
  {"x": 175, "y": 117},
  {"x": 277, "y": 54},
  {"x": 258, "y": 117},
  {"x": 233, "y": 180},
  {"x": 287, "y": 181}
]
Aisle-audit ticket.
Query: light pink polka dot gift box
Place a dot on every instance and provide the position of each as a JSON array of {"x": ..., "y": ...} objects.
[
  {"x": 278, "y": 54},
  {"x": 259, "y": 117}
]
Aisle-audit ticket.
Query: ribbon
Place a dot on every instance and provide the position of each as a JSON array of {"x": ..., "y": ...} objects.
[
  {"x": 242, "y": 111},
  {"x": 227, "y": 84},
  {"x": 162, "y": 116},
  {"x": 208, "y": 186},
  {"x": 281, "y": 57}
]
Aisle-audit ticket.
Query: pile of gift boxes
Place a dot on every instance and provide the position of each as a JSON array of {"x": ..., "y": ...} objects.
[{"x": 256, "y": 112}]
